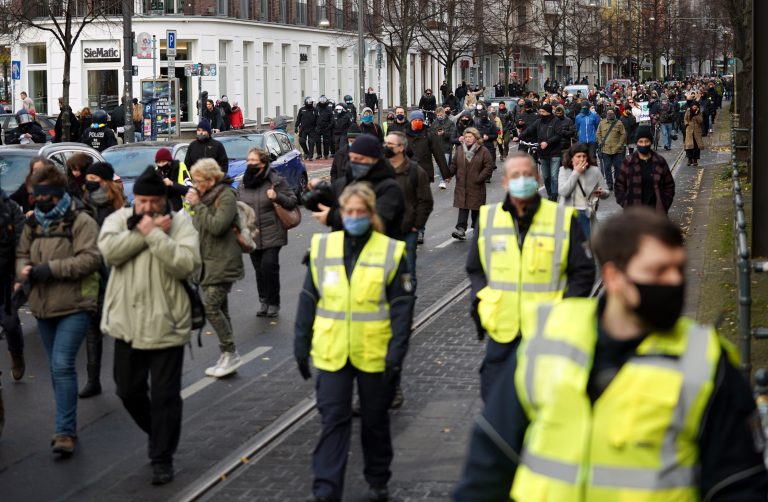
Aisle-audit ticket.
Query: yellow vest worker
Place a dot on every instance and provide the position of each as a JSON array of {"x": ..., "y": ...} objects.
[
  {"x": 176, "y": 176},
  {"x": 354, "y": 319},
  {"x": 527, "y": 250},
  {"x": 620, "y": 399}
]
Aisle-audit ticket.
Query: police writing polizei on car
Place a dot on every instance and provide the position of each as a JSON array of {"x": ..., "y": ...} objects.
[{"x": 99, "y": 136}]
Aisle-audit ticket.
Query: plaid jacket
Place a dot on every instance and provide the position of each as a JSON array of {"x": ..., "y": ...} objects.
[{"x": 628, "y": 187}]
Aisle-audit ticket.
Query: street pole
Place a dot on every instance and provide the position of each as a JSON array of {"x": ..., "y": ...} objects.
[
  {"x": 759, "y": 131},
  {"x": 128, "y": 71},
  {"x": 361, "y": 11}
]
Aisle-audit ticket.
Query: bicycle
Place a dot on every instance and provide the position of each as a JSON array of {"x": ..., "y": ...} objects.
[
  {"x": 656, "y": 131},
  {"x": 533, "y": 150}
]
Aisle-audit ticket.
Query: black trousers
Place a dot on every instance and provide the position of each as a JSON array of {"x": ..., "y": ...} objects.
[
  {"x": 9, "y": 317},
  {"x": 266, "y": 264},
  {"x": 307, "y": 148},
  {"x": 496, "y": 357},
  {"x": 464, "y": 218},
  {"x": 334, "y": 401},
  {"x": 156, "y": 410},
  {"x": 339, "y": 140},
  {"x": 325, "y": 139}
]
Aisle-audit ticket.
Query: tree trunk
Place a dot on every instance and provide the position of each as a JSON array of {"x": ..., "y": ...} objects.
[
  {"x": 66, "y": 119},
  {"x": 404, "y": 63}
]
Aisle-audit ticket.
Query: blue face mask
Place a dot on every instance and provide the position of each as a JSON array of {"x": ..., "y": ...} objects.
[
  {"x": 368, "y": 119},
  {"x": 644, "y": 149},
  {"x": 359, "y": 170},
  {"x": 523, "y": 187},
  {"x": 356, "y": 226}
]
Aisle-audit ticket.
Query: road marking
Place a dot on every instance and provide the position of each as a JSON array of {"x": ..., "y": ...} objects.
[
  {"x": 451, "y": 240},
  {"x": 206, "y": 381}
]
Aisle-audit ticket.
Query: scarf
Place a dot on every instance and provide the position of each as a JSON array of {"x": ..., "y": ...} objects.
[
  {"x": 253, "y": 178},
  {"x": 469, "y": 153},
  {"x": 47, "y": 220},
  {"x": 99, "y": 197},
  {"x": 211, "y": 195}
]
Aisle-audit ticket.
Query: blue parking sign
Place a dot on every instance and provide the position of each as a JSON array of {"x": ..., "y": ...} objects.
[{"x": 16, "y": 70}]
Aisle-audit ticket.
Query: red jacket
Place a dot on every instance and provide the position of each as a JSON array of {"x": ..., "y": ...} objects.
[{"x": 236, "y": 119}]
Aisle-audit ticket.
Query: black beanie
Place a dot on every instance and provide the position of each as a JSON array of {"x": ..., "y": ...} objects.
[
  {"x": 353, "y": 131},
  {"x": 103, "y": 170},
  {"x": 149, "y": 183},
  {"x": 368, "y": 145},
  {"x": 644, "y": 131},
  {"x": 204, "y": 124}
]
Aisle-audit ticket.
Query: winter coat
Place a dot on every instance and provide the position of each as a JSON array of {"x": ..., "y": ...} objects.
[
  {"x": 340, "y": 163},
  {"x": 470, "y": 177},
  {"x": 214, "y": 116},
  {"x": 570, "y": 193},
  {"x": 176, "y": 192},
  {"x": 207, "y": 149},
  {"x": 214, "y": 218},
  {"x": 371, "y": 101},
  {"x": 428, "y": 103},
  {"x": 545, "y": 131},
  {"x": 71, "y": 253},
  {"x": 373, "y": 129},
  {"x": 306, "y": 120},
  {"x": 567, "y": 132},
  {"x": 226, "y": 115},
  {"x": 146, "y": 304},
  {"x": 471, "y": 100},
  {"x": 418, "y": 196},
  {"x": 271, "y": 231},
  {"x": 614, "y": 142},
  {"x": 524, "y": 119},
  {"x": 630, "y": 127},
  {"x": 31, "y": 128},
  {"x": 74, "y": 127},
  {"x": 693, "y": 130},
  {"x": 449, "y": 132},
  {"x": 341, "y": 122},
  {"x": 452, "y": 102},
  {"x": 487, "y": 127},
  {"x": 324, "y": 118},
  {"x": 586, "y": 125},
  {"x": 628, "y": 186},
  {"x": 426, "y": 146},
  {"x": 236, "y": 118}
]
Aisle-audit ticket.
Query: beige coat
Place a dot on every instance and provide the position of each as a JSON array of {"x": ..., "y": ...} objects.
[
  {"x": 693, "y": 130},
  {"x": 145, "y": 304}
]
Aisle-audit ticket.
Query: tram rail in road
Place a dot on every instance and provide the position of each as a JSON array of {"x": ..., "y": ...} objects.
[{"x": 271, "y": 436}]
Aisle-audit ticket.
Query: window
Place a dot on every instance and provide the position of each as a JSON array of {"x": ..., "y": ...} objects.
[
  {"x": 301, "y": 11},
  {"x": 223, "y": 7},
  {"x": 222, "y": 70},
  {"x": 285, "y": 143},
  {"x": 182, "y": 50},
  {"x": 264, "y": 11},
  {"x": 247, "y": 56},
  {"x": 273, "y": 147},
  {"x": 283, "y": 18},
  {"x": 37, "y": 77},
  {"x": 103, "y": 89},
  {"x": 36, "y": 54},
  {"x": 244, "y": 11},
  {"x": 338, "y": 15},
  {"x": 322, "y": 56}
]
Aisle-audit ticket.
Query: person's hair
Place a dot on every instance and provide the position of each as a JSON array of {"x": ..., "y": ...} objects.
[
  {"x": 80, "y": 161},
  {"x": 208, "y": 169},
  {"x": 365, "y": 192},
  {"x": 578, "y": 148},
  {"x": 210, "y": 101},
  {"x": 399, "y": 108},
  {"x": 115, "y": 194},
  {"x": 48, "y": 175},
  {"x": 85, "y": 112},
  {"x": 401, "y": 136},
  {"x": 34, "y": 160},
  {"x": 618, "y": 239},
  {"x": 261, "y": 154},
  {"x": 521, "y": 155},
  {"x": 24, "y": 93},
  {"x": 474, "y": 132}
]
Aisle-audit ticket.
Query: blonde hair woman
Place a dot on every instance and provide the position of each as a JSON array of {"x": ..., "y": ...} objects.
[
  {"x": 472, "y": 165},
  {"x": 364, "y": 339}
]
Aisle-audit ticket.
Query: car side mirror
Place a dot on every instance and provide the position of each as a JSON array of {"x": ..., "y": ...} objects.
[{"x": 273, "y": 156}]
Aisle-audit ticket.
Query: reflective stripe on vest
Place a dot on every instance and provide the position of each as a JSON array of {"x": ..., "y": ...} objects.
[
  {"x": 629, "y": 453},
  {"x": 517, "y": 279},
  {"x": 352, "y": 315}
]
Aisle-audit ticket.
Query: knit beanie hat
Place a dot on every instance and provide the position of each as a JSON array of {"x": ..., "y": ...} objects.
[
  {"x": 354, "y": 131},
  {"x": 205, "y": 125},
  {"x": 163, "y": 154},
  {"x": 547, "y": 108},
  {"x": 149, "y": 183},
  {"x": 416, "y": 115},
  {"x": 368, "y": 145},
  {"x": 103, "y": 170},
  {"x": 644, "y": 132}
]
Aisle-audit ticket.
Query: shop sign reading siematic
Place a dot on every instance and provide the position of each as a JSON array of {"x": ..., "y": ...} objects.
[{"x": 101, "y": 51}]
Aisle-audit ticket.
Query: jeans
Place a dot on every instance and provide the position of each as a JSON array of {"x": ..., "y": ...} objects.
[
  {"x": 550, "y": 169},
  {"x": 216, "y": 307},
  {"x": 410, "y": 255},
  {"x": 62, "y": 337},
  {"x": 266, "y": 264},
  {"x": 666, "y": 133},
  {"x": 611, "y": 163}
]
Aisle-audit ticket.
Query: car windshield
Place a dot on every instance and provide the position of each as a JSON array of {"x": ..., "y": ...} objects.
[
  {"x": 131, "y": 162},
  {"x": 13, "y": 169},
  {"x": 237, "y": 146}
]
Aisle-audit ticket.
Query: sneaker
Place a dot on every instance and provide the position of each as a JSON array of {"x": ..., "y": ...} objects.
[
  {"x": 162, "y": 474},
  {"x": 442, "y": 185},
  {"x": 211, "y": 372},
  {"x": 667, "y": 147},
  {"x": 17, "y": 365},
  {"x": 378, "y": 493},
  {"x": 459, "y": 233},
  {"x": 272, "y": 310},
  {"x": 399, "y": 399},
  {"x": 229, "y": 364},
  {"x": 420, "y": 237},
  {"x": 262, "y": 310},
  {"x": 63, "y": 445}
]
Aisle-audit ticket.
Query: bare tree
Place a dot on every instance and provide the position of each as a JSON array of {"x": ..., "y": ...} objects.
[
  {"x": 617, "y": 28},
  {"x": 579, "y": 33},
  {"x": 65, "y": 21},
  {"x": 447, "y": 34},
  {"x": 505, "y": 24},
  {"x": 548, "y": 29}
]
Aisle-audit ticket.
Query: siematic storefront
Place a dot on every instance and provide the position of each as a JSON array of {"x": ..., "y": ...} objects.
[{"x": 102, "y": 64}]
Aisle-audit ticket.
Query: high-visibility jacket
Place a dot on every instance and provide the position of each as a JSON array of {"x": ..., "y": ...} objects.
[
  {"x": 184, "y": 175},
  {"x": 352, "y": 316},
  {"x": 520, "y": 280},
  {"x": 637, "y": 443}
]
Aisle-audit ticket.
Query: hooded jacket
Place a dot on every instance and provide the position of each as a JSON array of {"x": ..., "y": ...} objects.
[
  {"x": 586, "y": 125},
  {"x": 426, "y": 146}
]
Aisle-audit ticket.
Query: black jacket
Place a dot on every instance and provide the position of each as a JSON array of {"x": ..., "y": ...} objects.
[
  {"x": 390, "y": 203},
  {"x": 426, "y": 146},
  {"x": 74, "y": 127},
  {"x": 32, "y": 128},
  {"x": 340, "y": 163},
  {"x": 324, "y": 118},
  {"x": 176, "y": 191},
  {"x": 419, "y": 202},
  {"x": 341, "y": 122},
  {"x": 567, "y": 132},
  {"x": 208, "y": 149},
  {"x": 487, "y": 127},
  {"x": 306, "y": 120},
  {"x": 226, "y": 113},
  {"x": 428, "y": 103},
  {"x": 374, "y": 129},
  {"x": 98, "y": 138},
  {"x": 371, "y": 100},
  {"x": 215, "y": 117},
  {"x": 545, "y": 131}
]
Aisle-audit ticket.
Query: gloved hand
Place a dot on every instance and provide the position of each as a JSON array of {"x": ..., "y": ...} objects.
[
  {"x": 40, "y": 273},
  {"x": 392, "y": 373},
  {"x": 476, "y": 318},
  {"x": 304, "y": 370}
]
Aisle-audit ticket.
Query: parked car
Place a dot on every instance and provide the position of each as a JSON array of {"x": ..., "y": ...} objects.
[
  {"x": 14, "y": 160},
  {"x": 286, "y": 160},
  {"x": 131, "y": 159},
  {"x": 46, "y": 123}
]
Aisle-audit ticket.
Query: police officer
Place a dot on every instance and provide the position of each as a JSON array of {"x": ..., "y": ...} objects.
[
  {"x": 354, "y": 319},
  {"x": 98, "y": 136},
  {"x": 349, "y": 102},
  {"x": 306, "y": 124},
  {"x": 621, "y": 398},
  {"x": 341, "y": 123},
  {"x": 527, "y": 250},
  {"x": 27, "y": 132},
  {"x": 324, "y": 127}
]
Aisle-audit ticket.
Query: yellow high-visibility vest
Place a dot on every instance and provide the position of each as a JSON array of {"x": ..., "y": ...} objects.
[
  {"x": 637, "y": 443},
  {"x": 520, "y": 280},
  {"x": 352, "y": 317}
]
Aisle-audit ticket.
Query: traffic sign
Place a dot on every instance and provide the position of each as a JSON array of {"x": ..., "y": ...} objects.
[
  {"x": 170, "y": 43},
  {"x": 16, "y": 70}
]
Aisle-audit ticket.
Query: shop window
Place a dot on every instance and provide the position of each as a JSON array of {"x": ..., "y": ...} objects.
[
  {"x": 103, "y": 89},
  {"x": 36, "y": 54},
  {"x": 38, "y": 89},
  {"x": 183, "y": 52}
]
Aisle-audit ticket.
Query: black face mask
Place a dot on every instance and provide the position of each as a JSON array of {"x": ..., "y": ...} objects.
[
  {"x": 92, "y": 186},
  {"x": 44, "y": 205},
  {"x": 660, "y": 305},
  {"x": 254, "y": 175},
  {"x": 388, "y": 152}
]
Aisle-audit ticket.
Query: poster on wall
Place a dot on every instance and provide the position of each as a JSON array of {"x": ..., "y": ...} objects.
[{"x": 161, "y": 99}]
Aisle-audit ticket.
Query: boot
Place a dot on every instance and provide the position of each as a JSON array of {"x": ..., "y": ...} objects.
[
  {"x": 93, "y": 346},
  {"x": 17, "y": 365}
]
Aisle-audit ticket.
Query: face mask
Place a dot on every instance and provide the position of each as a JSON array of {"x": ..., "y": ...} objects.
[
  {"x": 202, "y": 137},
  {"x": 44, "y": 205},
  {"x": 644, "y": 149},
  {"x": 388, "y": 152},
  {"x": 368, "y": 119},
  {"x": 417, "y": 124},
  {"x": 92, "y": 186},
  {"x": 546, "y": 118},
  {"x": 523, "y": 187},
  {"x": 359, "y": 170},
  {"x": 252, "y": 168},
  {"x": 400, "y": 117},
  {"x": 611, "y": 117},
  {"x": 356, "y": 226},
  {"x": 660, "y": 306},
  {"x": 585, "y": 111}
]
